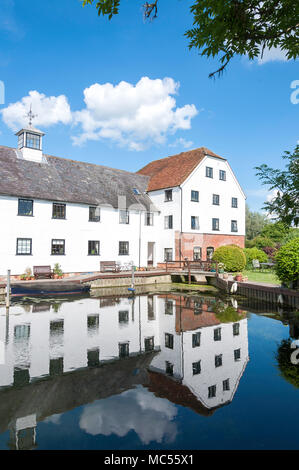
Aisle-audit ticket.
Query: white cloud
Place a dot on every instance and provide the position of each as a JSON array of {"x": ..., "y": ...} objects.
[
  {"x": 49, "y": 110},
  {"x": 138, "y": 410},
  {"x": 271, "y": 55},
  {"x": 134, "y": 116},
  {"x": 181, "y": 142}
]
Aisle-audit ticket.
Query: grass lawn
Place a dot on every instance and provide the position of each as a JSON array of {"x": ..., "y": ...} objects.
[{"x": 264, "y": 276}]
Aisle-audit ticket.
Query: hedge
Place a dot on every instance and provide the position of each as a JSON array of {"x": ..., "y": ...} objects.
[
  {"x": 255, "y": 253},
  {"x": 287, "y": 262},
  {"x": 232, "y": 256}
]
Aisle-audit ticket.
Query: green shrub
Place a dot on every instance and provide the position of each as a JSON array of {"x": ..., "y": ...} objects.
[
  {"x": 287, "y": 262},
  {"x": 232, "y": 256},
  {"x": 260, "y": 242},
  {"x": 255, "y": 253}
]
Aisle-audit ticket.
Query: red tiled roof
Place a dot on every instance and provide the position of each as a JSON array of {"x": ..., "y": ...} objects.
[{"x": 172, "y": 171}]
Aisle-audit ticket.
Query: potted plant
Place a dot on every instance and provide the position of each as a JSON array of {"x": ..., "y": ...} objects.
[
  {"x": 220, "y": 267},
  {"x": 239, "y": 277},
  {"x": 58, "y": 273},
  {"x": 28, "y": 274}
]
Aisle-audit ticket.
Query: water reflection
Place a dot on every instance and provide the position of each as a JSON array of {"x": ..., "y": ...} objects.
[{"x": 129, "y": 361}]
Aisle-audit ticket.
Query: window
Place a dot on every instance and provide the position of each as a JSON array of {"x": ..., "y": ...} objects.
[
  {"x": 234, "y": 226},
  {"x": 194, "y": 223},
  {"x": 210, "y": 252},
  {"x": 123, "y": 316},
  {"x": 32, "y": 141},
  {"x": 21, "y": 141},
  {"x": 58, "y": 247},
  {"x": 25, "y": 207},
  {"x": 226, "y": 385},
  {"x": 222, "y": 175},
  {"x": 149, "y": 344},
  {"x": 123, "y": 248},
  {"x": 168, "y": 307},
  {"x": 93, "y": 322},
  {"x": 197, "y": 253},
  {"x": 195, "y": 340},
  {"x": 194, "y": 196},
  {"x": 197, "y": 307},
  {"x": 236, "y": 329},
  {"x": 150, "y": 308},
  {"x": 168, "y": 368},
  {"x": 93, "y": 247},
  {"x": 21, "y": 377},
  {"x": 59, "y": 211},
  {"x": 56, "y": 327},
  {"x": 196, "y": 368},
  {"x": 217, "y": 334},
  {"x": 168, "y": 195},
  {"x": 216, "y": 199},
  {"x": 237, "y": 354},
  {"x": 209, "y": 172},
  {"x": 234, "y": 202},
  {"x": 167, "y": 254},
  {"x": 123, "y": 349},
  {"x": 24, "y": 246},
  {"x": 218, "y": 360},
  {"x": 124, "y": 217},
  {"x": 168, "y": 222},
  {"x": 149, "y": 218},
  {"x": 56, "y": 366},
  {"x": 168, "y": 340},
  {"x": 215, "y": 224},
  {"x": 212, "y": 391},
  {"x": 93, "y": 357},
  {"x": 94, "y": 214},
  {"x": 22, "y": 332}
]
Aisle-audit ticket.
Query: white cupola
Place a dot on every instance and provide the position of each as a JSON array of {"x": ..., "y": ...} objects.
[{"x": 30, "y": 141}]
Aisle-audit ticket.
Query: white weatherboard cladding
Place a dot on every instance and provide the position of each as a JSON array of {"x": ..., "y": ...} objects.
[
  {"x": 76, "y": 230},
  {"x": 204, "y": 209},
  {"x": 166, "y": 237}
]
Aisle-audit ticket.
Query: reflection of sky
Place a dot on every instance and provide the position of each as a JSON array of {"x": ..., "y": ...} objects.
[{"x": 138, "y": 410}]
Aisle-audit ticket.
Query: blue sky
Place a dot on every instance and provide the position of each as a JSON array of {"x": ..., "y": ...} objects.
[{"x": 58, "y": 49}]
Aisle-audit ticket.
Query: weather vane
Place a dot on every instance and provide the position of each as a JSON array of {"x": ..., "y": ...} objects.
[{"x": 31, "y": 116}]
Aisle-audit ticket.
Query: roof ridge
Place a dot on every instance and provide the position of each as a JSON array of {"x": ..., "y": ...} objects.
[{"x": 78, "y": 161}]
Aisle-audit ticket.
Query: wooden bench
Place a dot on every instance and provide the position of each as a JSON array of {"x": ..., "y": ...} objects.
[
  {"x": 42, "y": 272},
  {"x": 109, "y": 266}
]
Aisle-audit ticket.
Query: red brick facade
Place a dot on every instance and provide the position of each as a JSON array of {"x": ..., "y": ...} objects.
[{"x": 185, "y": 243}]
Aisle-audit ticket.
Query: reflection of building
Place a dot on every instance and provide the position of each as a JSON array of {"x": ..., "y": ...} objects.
[
  {"x": 205, "y": 355},
  {"x": 73, "y": 335},
  {"x": 175, "y": 346}
]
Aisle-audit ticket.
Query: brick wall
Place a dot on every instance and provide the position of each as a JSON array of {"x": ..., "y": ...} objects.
[{"x": 187, "y": 241}]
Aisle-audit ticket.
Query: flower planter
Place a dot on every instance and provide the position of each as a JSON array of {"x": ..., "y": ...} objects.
[{"x": 239, "y": 278}]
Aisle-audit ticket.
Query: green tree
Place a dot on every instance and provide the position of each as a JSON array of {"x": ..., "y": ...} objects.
[
  {"x": 285, "y": 205},
  {"x": 275, "y": 231},
  {"x": 232, "y": 27},
  {"x": 255, "y": 222}
]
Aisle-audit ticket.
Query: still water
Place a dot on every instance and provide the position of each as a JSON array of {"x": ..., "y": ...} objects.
[{"x": 162, "y": 371}]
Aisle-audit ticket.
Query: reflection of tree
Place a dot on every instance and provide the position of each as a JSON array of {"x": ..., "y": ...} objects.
[
  {"x": 289, "y": 371},
  {"x": 228, "y": 314}
]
